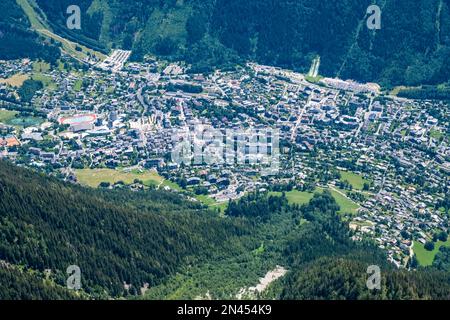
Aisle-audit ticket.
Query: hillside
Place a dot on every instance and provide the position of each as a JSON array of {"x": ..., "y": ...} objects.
[
  {"x": 17, "y": 40},
  {"x": 345, "y": 278},
  {"x": 117, "y": 237},
  {"x": 19, "y": 285},
  {"x": 412, "y": 47}
]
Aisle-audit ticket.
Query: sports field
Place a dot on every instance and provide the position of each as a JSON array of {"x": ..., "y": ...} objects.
[{"x": 78, "y": 119}]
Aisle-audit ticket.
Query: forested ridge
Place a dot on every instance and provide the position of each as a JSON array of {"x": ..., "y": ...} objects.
[
  {"x": 325, "y": 263},
  {"x": 126, "y": 237},
  {"x": 344, "y": 278},
  {"x": 411, "y": 48}
]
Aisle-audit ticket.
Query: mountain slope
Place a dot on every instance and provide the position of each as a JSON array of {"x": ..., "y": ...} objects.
[
  {"x": 326, "y": 264},
  {"x": 19, "y": 285},
  {"x": 135, "y": 238},
  {"x": 412, "y": 47},
  {"x": 344, "y": 278},
  {"x": 17, "y": 40}
]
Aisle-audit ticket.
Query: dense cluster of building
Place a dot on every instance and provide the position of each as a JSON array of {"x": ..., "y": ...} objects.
[{"x": 97, "y": 119}]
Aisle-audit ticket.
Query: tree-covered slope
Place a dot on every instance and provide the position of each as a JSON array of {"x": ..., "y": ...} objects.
[
  {"x": 115, "y": 238},
  {"x": 344, "y": 278},
  {"x": 17, "y": 40},
  {"x": 20, "y": 285},
  {"x": 323, "y": 261},
  {"x": 412, "y": 47}
]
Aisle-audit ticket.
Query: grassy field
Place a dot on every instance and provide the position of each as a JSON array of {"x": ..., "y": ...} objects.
[
  {"x": 211, "y": 203},
  {"x": 354, "y": 179},
  {"x": 6, "y": 116},
  {"x": 347, "y": 205},
  {"x": 39, "y": 66},
  {"x": 110, "y": 90},
  {"x": 171, "y": 185},
  {"x": 77, "y": 85},
  {"x": 426, "y": 257},
  {"x": 296, "y": 197},
  {"x": 61, "y": 66},
  {"x": 15, "y": 80},
  {"x": 93, "y": 177},
  {"x": 47, "y": 81},
  {"x": 35, "y": 21},
  {"x": 436, "y": 134},
  {"x": 396, "y": 90},
  {"x": 24, "y": 122},
  {"x": 10, "y": 118},
  {"x": 313, "y": 79},
  {"x": 299, "y": 197}
]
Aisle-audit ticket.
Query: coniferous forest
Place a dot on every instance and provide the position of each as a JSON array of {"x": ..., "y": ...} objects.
[
  {"x": 18, "y": 41},
  {"x": 132, "y": 238}
]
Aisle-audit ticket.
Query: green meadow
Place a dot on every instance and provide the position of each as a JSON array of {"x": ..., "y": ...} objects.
[
  {"x": 354, "y": 179},
  {"x": 425, "y": 257},
  {"x": 300, "y": 197}
]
